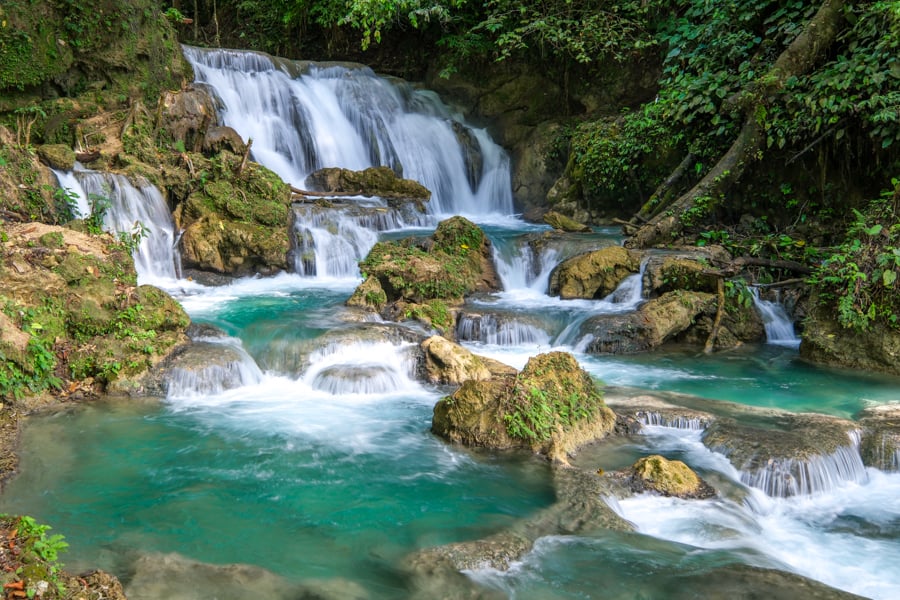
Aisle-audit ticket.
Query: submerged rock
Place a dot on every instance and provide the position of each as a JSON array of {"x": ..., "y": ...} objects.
[{"x": 593, "y": 275}]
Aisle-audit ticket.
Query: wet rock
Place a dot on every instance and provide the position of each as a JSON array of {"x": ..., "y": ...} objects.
[
  {"x": 57, "y": 156},
  {"x": 657, "y": 321},
  {"x": 449, "y": 363},
  {"x": 593, "y": 275},
  {"x": 501, "y": 327},
  {"x": 220, "y": 138},
  {"x": 563, "y": 223},
  {"x": 880, "y": 444},
  {"x": 203, "y": 368},
  {"x": 374, "y": 181},
  {"x": 667, "y": 273},
  {"x": 742, "y": 582},
  {"x": 96, "y": 585},
  {"x": 652, "y": 410},
  {"x": 186, "y": 115},
  {"x": 552, "y": 406},
  {"x": 788, "y": 454},
  {"x": 825, "y": 341},
  {"x": 667, "y": 477},
  {"x": 369, "y": 294},
  {"x": 472, "y": 156}
]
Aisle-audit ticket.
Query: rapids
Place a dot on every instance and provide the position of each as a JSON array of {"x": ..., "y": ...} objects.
[{"x": 316, "y": 462}]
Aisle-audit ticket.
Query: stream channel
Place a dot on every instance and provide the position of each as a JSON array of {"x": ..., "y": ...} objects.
[{"x": 312, "y": 457}]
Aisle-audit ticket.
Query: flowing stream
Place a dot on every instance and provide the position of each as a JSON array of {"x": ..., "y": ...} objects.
[{"x": 309, "y": 453}]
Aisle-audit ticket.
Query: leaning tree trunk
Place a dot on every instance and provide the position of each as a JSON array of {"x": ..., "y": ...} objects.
[{"x": 806, "y": 49}]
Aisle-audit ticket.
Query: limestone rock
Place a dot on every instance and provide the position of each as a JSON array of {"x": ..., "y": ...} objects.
[
  {"x": 552, "y": 406},
  {"x": 186, "y": 115},
  {"x": 449, "y": 363},
  {"x": 880, "y": 443},
  {"x": 593, "y": 275},
  {"x": 825, "y": 341},
  {"x": 654, "y": 323},
  {"x": 563, "y": 223},
  {"x": 668, "y": 273},
  {"x": 369, "y": 294},
  {"x": 220, "y": 138},
  {"x": 669, "y": 478},
  {"x": 374, "y": 181},
  {"x": 57, "y": 156}
]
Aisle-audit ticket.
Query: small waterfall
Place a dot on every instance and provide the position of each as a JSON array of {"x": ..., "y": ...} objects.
[
  {"x": 218, "y": 365},
  {"x": 304, "y": 116},
  {"x": 655, "y": 419},
  {"x": 130, "y": 207},
  {"x": 779, "y": 327},
  {"x": 361, "y": 368},
  {"x": 523, "y": 270},
  {"x": 69, "y": 182},
  {"x": 331, "y": 243},
  {"x": 490, "y": 329},
  {"x": 784, "y": 477},
  {"x": 630, "y": 291}
]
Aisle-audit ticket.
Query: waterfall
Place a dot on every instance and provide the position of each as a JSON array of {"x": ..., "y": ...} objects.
[
  {"x": 783, "y": 477},
  {"x": 128, "y": 208},
  {"x": 78, "y": 198},
  {"x": 361, "y": 368},
  {"x": 523, "y": 269},
  {"x": 228, "y": 367},
  {"x": 502, "y": 331},
  {"x": 304, "y": 116},
  {"x": 779, "y": 327},
  {"x": 655, "y": 419}
]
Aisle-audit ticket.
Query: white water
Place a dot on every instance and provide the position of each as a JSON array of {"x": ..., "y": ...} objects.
[
  {"x": 214, "y": 379},
  {"x": 130, "y": 208},
  {"x": 304, "y": 116},
  {"x": 825, "y": 536},
  {"x": 779, "y": 327},
  {"x": 68, "y": 181}
]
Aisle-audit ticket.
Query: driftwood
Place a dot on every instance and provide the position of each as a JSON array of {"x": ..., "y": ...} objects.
[
  {"x": 800, "y": 55},
  {"x": 299, "y": 192},
  {"x": 244, "y": 159}
]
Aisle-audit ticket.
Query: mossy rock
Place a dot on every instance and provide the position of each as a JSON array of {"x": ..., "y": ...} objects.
[
  {"x": 561, "y": 222},
  {"x": 369, "y": 294},
  {"x": 593, "y": 275},
  {"x": 374, "y": 181},
  {"x": 669, "y": 478},
  {"x": 57, "y": 156}
]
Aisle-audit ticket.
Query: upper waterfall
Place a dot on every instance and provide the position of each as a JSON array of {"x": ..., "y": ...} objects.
[{"x": 304, "y": 116}]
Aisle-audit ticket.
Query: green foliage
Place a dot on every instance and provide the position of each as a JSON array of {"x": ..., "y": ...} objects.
[
  {"x": 37, "y": 554},
  {"x": 35, "y": 371},
  {"x": 860, "y": 280}
]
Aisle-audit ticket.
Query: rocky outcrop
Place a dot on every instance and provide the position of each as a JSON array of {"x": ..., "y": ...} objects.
[
  {"x": 57, "y": 156},
  {"x": 186, "y": 115},
  {"x": 595, "y": 274},
  {"x": 74, "y": 315},
  {"x": 424, "y": 278},
  {"x": 449, "y": 363},
  {"x": 825, "y": 341},
  {"x": 552, "y": 406},
  {"x": 669, "y": 273}
]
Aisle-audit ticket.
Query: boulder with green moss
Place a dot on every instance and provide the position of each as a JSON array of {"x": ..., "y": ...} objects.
[
  {"x": 236, "y": 224},
  {"x": 427, "y": 277},
  {"x": 449, "y": 363},
  {"x": 667, "y": 477},
  {"x": 561, "y": 222},
  {"x": 552, "y": 406},
  {"x": 595, "y": 274},
  {"x": 374, "y": 181},
  {"x": 73, "y": 316}
]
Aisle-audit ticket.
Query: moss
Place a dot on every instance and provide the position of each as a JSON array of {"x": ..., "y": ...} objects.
[
  {"x": 54, "y": 239},
  {"x": 552, "y": 393},
  {"x": 668, "y": 477}
]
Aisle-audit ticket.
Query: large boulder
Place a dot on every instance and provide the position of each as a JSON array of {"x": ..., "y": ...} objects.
[
  {"x": 425, "y": 279},
  {"x": 552, "y": 406},
  {"x": 186, "y": 115},
  {"x": 595, "y": 274},
  {"x": 880, "y": 442},
  {"x": 563, "y": 223},
  {"x": 57, "y": 156}
]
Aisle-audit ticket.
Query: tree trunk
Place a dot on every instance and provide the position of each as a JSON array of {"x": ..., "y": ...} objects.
[{"x": 806, "y": 49}]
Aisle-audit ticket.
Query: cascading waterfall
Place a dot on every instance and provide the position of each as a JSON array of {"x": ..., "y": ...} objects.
[
  {"x": 779, "y": 327},
  {"x": 79, "y": 204},
  {"x": 237, "y": 370},
  {"x": 361, "y": 369},
  {"x": 137, "y": 210},
  {"x": 524, "y": 270},
  {"x": 655, "y": 419},
  {"x": 504, "y": 330},
  {"x": 782, "y": 478},
  {"x": 304, "y": 116}
]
